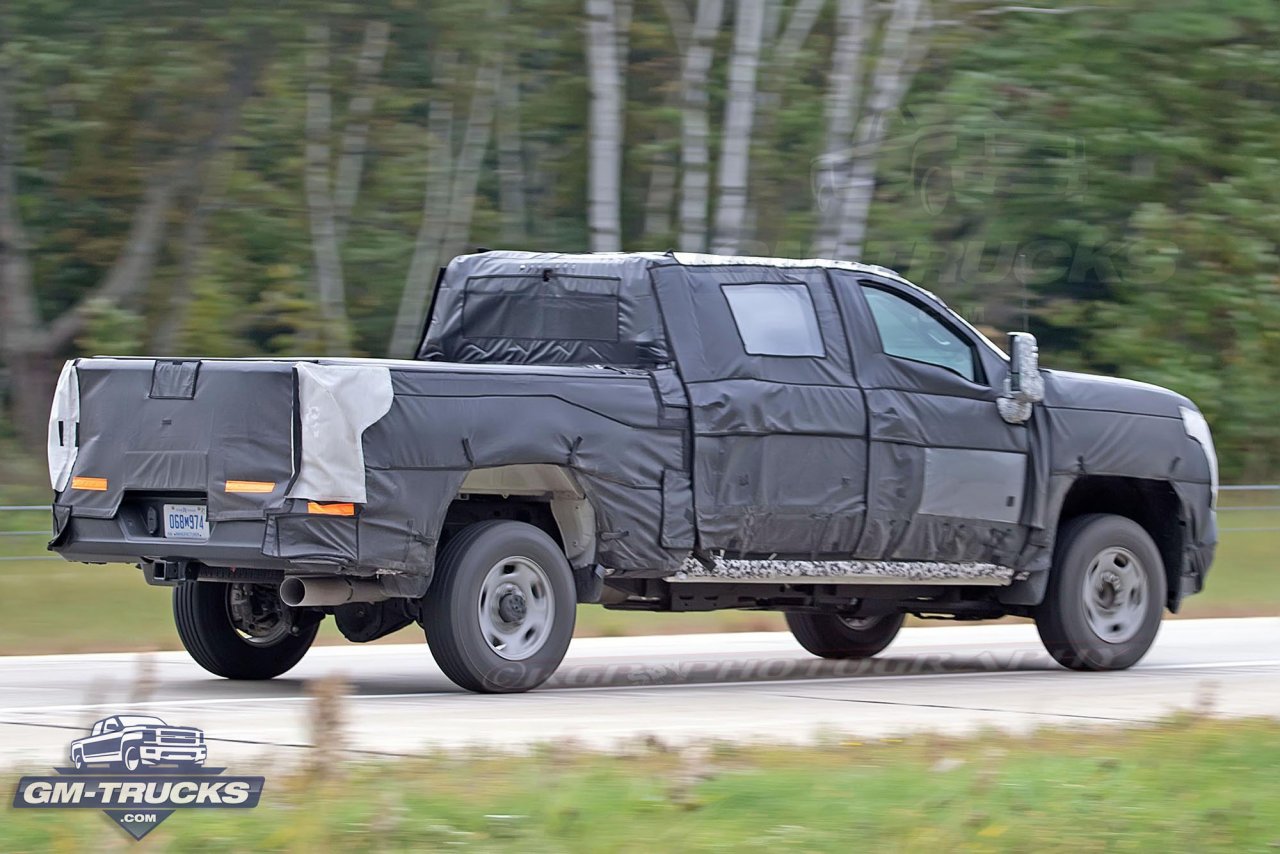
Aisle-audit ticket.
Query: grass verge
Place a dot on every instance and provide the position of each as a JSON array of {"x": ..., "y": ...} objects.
[{"x": 1189, "y": 784}]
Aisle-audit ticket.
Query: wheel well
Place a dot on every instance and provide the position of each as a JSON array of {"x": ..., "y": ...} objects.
[
  {"x": 1151, "y": 503},
  {"x": 469, "y": 509},
  {"x": 545, "y": 496}
]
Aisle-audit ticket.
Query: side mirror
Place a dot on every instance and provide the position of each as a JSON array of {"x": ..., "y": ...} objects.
[{"x": 1024, "y": 386}]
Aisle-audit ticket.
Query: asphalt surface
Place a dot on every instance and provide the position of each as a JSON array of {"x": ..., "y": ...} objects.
[{"x": 619, "y": 692}]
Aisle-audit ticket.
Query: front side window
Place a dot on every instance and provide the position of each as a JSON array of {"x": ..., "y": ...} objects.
[
  {"x": 908, "y": 331},
  {"x": 775, "y": 319}
]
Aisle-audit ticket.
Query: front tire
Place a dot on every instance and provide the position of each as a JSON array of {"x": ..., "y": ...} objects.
[
  {"x": 834, "y": 636},
  {"x": 132, "y": 759},
  {"x": 239, "y": 631},
  {"x": 500, "y": 612},
  {"x": 1106, "y": 594}
]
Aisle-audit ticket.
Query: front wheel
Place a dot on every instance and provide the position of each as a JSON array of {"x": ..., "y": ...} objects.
[
  {"x": 1106, "y": 594},
  {"x": 834, "y": 636},
  {"x": 500, "y": 612},
  {"x": 240, "y": 631},
  {"x": 132, "y": 759}
]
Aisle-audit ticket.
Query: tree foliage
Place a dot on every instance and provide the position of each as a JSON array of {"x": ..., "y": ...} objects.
[{"x": 1105, "y": 171}]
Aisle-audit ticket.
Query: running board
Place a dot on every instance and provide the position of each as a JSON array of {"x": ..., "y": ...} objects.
[{"x": 845, "y": 572}]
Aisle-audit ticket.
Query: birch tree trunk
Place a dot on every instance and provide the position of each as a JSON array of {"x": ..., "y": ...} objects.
[
  {"x": 212, "y": 180},
  {"x": 356, "y": 135},
  {"x": 511, "y": 167},
  {"x": 888, "y": 87},
  {"x": 604, "y": 125},
  {"x": 844, "y": 95},
  {"x": 775, "y": 74},
  {"x": 330, "y": 202},
  {"x": 695, "y": 125},
  {"x": 659, "y": 199},
  {"x": 466, "y": 171},
  {"x": 739, "y": 114},
  {"x": 426, "y": 248},
  {"x": 448, "y": 202},
  {"x": 320, "y": 204}
]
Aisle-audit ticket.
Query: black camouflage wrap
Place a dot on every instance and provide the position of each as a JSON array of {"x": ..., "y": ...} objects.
[{"x": 628, "y": 371}]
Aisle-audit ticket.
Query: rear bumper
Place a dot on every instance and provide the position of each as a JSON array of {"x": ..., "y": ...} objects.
[
  {"x": 232, "y": 543},
  {"x": 259, "y": 551}
]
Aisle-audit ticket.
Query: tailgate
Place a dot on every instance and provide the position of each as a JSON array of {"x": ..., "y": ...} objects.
[{"x": 220, "y": 432}]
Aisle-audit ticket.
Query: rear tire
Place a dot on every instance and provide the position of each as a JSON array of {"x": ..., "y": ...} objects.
[
  {"x": 202, "y": 613},
  {"x": 833, "y": 636},
  {"x": 500, "y": 612},
  {"x": 1106, "y": 594}
]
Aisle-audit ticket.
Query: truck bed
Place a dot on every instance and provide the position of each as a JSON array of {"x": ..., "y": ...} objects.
[{"x": 260, "y": 445}]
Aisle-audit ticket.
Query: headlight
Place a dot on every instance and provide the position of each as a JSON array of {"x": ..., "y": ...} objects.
[{"x": 1197, "y": 428}]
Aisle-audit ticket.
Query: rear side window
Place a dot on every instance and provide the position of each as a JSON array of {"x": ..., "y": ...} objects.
[
  {"x": 775, "y": 319},
  {"x": 534, "y": 308},
  {"x": 908, "y": 331}
]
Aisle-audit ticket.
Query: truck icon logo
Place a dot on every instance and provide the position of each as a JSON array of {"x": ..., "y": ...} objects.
[
  {"x": 139, "y": 770},
  {"x": 137, "y": 742}
]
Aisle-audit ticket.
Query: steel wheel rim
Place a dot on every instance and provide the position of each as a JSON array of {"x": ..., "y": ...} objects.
[
  {"x": 240, "y": 598},
  {"x": 515, "y": 608},
  {"x": 860, "y": 624},
  {"x": 1115, "y": 595}
]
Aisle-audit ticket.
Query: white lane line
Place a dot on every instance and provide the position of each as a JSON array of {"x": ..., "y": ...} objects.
[{"x": 572, "y": 690}]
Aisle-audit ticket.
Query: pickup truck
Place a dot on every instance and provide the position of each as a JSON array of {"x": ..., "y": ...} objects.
[
  {"x": 646, "y": 431},
  {"x": 135, "y": 741}
]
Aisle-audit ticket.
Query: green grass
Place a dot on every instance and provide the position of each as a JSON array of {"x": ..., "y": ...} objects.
[
  {"x": 1185, "y": 785},
  {"x": 49, "y": 605}
]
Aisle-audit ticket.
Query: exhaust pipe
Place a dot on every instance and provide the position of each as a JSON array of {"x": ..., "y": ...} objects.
[{"x": 298, "y": 592}]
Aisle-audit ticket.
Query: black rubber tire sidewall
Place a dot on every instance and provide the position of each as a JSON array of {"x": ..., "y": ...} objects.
[
  {"x": 204, "y": 626},
  {"x": 450, "y": 617},
  {"x": 827, "y": 636},
  {"x": 1064, "y": 629}
]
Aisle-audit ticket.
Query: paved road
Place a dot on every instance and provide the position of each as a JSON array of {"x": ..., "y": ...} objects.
[{"x": 681, "y": 689}]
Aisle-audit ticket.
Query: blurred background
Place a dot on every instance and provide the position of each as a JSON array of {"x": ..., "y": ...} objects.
[{"x": 228, "y": 179}]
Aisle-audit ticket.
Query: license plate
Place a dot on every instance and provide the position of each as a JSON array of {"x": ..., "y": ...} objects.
[{"x": 185, "y": 522}]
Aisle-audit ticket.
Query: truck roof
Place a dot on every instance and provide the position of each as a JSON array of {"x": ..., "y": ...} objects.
[{"x": 563, "y": 308}]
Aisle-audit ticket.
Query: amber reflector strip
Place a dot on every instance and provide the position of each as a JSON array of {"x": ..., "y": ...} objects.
[
  {"x": 331, "y": 509},
  {"x": 96, "y": 484},
  {"x": 256, "y": 486}
]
